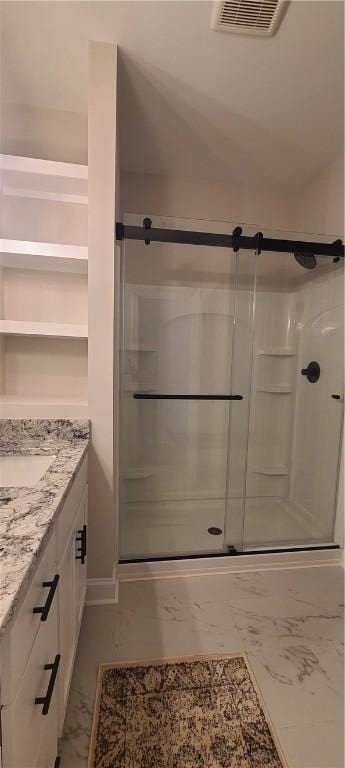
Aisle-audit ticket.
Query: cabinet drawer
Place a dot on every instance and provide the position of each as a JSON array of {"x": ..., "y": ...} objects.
[
  {"x": 17, "y": 644},
  {"x": 23, "y": 723},
  {"x": 69, "y": 510}
]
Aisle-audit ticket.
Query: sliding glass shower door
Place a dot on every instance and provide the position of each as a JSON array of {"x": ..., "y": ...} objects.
[{"x": 185, "y": 376}]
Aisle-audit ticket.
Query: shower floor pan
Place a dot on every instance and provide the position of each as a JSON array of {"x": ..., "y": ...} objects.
[{"x": 171, "y": 529}]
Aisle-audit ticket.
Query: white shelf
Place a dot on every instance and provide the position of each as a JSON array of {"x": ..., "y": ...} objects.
[
  {"x": 270, "y": 470},
  {"x": 25, "y": 254},
  {"x": 276, "y": 352},
  {"x": 44, "y": 179},
  {"x": 55, "y": 330},
  {"x": 15, "y": 406},
  {"x": 275, "y": 390},
  {"x": 43, "y": 167}
]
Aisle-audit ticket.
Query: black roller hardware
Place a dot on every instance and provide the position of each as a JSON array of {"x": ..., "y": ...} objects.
[
  {"x": 312, "y": 372},
  {"x": 45, "y": 700},
  {"x": 236, "y": 240},
  {"x": 147, "y": 224},
  {"x": 81, "y": 540},
  {"x": 336, "y": 397},
  {"x": 44, "y": 609}
]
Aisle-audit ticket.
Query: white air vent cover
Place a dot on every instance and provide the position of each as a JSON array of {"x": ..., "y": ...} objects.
[{"x": 248, "y": 17}]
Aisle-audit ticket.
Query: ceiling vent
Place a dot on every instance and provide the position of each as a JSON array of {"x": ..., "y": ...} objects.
[{"x": 248, "y": 17}]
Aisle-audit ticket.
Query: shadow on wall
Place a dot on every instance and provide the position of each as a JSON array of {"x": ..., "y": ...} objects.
[{"x": 185, "y": 121}]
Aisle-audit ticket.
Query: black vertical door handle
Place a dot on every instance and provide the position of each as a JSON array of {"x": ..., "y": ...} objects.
[{"x": 81, "y": 540}]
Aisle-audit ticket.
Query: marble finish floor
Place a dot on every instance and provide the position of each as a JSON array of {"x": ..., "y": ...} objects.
[{"x": 290, "y": 622}]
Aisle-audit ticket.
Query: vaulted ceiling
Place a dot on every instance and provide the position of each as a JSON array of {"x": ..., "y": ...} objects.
[{"x": 192, "y": 101}]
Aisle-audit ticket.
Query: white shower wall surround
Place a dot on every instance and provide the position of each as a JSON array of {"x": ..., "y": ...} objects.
[
  {"x": 318, "y": 417},
  {"x": 262, "y": 470}
]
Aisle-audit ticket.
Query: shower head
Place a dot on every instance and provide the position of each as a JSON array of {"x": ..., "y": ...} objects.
[{"x": 306, "y": 260}]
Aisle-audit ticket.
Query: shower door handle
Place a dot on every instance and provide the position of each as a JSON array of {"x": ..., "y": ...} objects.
[{"x": 157, "y": 396}]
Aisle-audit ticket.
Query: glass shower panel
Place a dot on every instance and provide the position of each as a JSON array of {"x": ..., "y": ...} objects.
[
  {"x": 295, "y": 422},
  {"x": 179, "y": 306},
  {"x": 242, "y": 350}
]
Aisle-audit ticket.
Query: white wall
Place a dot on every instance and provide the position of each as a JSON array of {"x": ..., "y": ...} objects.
[
  {"x": 49, "y": 134},
  {"x": 320, "y": 205},
  {"x": 192, "y": 198}
]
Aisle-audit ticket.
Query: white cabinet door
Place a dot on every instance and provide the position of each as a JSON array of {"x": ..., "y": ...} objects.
[
  {"x": 72, "y": 569},
  {"x": 26, "y": 720},
  {"x": 48, "y": 748},
  {"x": 80, "y": 561},
  {"x": 66, "y": 625}
]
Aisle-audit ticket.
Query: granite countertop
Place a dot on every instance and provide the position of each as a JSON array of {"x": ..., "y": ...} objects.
[{"x": 28, "y": 514}]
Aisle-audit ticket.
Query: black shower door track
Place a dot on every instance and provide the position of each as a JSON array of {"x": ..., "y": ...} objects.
[
  {"x": 231, "y": 553},
  {"x": 236, "y": 240}
]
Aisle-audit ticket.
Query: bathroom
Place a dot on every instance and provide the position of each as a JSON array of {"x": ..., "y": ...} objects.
[{"x": 172, "y": 384}]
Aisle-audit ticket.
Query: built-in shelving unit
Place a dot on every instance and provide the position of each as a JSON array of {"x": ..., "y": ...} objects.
[
  {"x": 42, "y": 407},
  {"x": 29, "y": 177},
  {"x": 22, "y": 254},
  {"x": 57, "y": 330},
  {"x": 43, "y": 312}
]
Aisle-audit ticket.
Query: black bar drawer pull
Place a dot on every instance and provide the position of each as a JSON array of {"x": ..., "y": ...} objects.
[
  {"x": 81, "y": 539},
  {"x": 44, "y": 609},
  {"x": 45, "y": 700},
  {"x": 153, "y": 396}
]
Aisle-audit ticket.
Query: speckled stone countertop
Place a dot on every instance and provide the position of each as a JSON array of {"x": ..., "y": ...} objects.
[{"x": 28, "y": 514}]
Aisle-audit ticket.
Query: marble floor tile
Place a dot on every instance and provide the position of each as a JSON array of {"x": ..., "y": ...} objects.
[
  {"x": 318, "y": 586},
  {"x": 318, "y": 745},
  {"x": 294, "y": 642}
]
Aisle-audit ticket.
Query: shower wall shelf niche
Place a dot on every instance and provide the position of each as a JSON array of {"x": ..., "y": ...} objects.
[
  {"x": 137, "y": 474},
  {"x": 139, "y": 349},
  {"x": 270, "y": 470},
  {"x": 277, "y": 352},
  {"x": 275, "y": 390}
]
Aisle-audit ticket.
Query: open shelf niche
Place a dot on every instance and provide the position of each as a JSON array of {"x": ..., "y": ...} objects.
[
  {"x": 272, "y": 396},
  {"x": 43, "y": 298}
]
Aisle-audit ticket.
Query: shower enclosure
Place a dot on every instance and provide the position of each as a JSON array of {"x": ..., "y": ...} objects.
[{"x": 231, "y": 396}]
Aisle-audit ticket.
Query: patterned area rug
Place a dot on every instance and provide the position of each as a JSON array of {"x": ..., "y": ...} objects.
[{"x": 199, "y": 712}]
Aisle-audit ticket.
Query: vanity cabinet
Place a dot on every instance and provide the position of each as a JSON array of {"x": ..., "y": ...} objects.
[
  {"x": 37, "y": 653},
  {"x": 72, "y": 589}
]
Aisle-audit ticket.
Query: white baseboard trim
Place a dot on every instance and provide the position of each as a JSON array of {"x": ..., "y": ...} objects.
[
  {"x": 103, "y": 591},
  {"x": 212, "y": 566}
]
